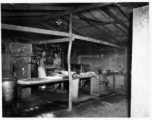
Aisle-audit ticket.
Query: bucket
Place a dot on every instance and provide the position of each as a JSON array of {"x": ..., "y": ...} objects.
[{"x": 9, "y": 91}]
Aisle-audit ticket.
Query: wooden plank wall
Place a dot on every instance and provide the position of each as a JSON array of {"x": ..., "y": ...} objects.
[{"x": 140, "y": 80}]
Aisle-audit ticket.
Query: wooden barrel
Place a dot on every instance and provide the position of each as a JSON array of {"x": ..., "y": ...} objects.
[{"x": 9, "y": 91}]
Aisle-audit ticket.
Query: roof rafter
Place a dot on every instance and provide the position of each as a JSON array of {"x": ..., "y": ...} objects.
[
  {"x": 120, "y": 28},
  {"x": 96, "y": 27},
  {"x": 80, "y": 9},
  {"x": 74, "y": 28},
  {"x": 25, "y": 13},
  {"x": 108, "y": 12},
  {"x": 47, "y": 26},
  {"x": 117, "y": 6},
  {"x": 32, "y": 7},
  {"x": 103, "y": 25}
]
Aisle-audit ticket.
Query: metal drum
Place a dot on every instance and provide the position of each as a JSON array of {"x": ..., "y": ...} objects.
[{"x": 9, "y": 91}]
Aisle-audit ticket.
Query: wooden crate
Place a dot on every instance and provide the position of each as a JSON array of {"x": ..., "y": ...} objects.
[{"x": 26, "y": 92}]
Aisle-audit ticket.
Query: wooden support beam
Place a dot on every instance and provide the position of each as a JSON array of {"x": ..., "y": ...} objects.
[
  {"x": 34, "y": 30},
  {"x": 108, "y": 12},
  {"x": 96, "y": 41},
  {"x": 32, "y": 7},
  {"x": 50, "y": 32},
  {"x": 50, "y": 41},
  {"x": 69, "y": 72},
  {"x": 69, "y": 63}
]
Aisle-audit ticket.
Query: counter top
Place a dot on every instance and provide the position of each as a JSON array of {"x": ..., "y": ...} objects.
[{"x": 50, "y": 79}]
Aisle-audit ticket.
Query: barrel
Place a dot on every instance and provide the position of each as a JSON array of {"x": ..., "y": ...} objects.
[{"x": 9, "y": 91}]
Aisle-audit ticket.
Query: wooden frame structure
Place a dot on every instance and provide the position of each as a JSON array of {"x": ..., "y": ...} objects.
[
  {"x": 57, "y": 33},
  {"x": 70, "y": 37}
]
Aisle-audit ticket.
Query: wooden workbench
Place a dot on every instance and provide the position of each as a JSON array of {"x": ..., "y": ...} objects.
[{"x": 41, "y": 81}]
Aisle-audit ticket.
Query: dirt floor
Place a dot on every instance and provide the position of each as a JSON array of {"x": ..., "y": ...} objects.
[
  {"x": 113, "y": 105},
  {"x": 55, "y": 104},
  {"x": 98, "y": 108}
]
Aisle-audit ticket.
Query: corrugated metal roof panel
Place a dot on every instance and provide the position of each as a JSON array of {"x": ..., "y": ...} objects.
[
  {"x": 116, "y": 30},
  {"x": 106, "y": 30},
  {"x": 99, "y": 16},
  {"x": 117, "y": 13},
  {"x": 107, "y": 16},
  {"x": 126, "y": 31}
]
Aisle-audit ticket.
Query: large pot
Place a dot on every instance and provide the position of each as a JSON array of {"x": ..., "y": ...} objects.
[
  {"x": 105, "y": 71},
  {"x": 9, "y": 91}
]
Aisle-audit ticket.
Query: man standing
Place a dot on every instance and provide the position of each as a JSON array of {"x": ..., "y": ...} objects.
[
  {"x": 57, "y": 61},
  {"x": 56, "y": 64}
]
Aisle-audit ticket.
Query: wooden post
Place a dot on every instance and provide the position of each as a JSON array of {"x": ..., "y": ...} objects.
[
  {"x": 19, "y": 101},
  {"x": 69, "y": 63},
  {"x": 70, "y": 77}
]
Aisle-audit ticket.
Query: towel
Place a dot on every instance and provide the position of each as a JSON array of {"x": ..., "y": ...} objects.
[{"x": 42, "y": 74}]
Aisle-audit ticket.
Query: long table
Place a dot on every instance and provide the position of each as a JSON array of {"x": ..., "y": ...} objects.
[{"x": 47, "y": 80}]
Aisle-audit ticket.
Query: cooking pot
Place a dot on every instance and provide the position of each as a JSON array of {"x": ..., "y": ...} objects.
[{"x": 105, "y": 71}]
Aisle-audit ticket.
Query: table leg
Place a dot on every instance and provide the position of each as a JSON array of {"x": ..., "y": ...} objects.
[
  {"x": 62, "y": 86},
  {"x": 81, "y": 83},
  {"x": 19, "y": 103},
  {"x": 114, "y": 81},
  {"x": 125, "y": 83},
  {"x": 75, "y": 89}
]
